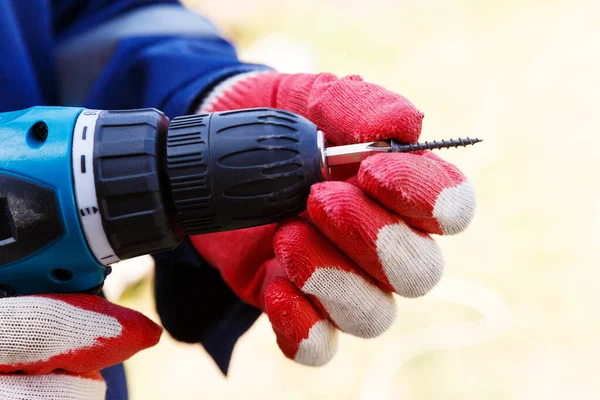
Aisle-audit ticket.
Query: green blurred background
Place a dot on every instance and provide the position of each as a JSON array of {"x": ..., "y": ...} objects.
[{"x": 515, "y": 315}]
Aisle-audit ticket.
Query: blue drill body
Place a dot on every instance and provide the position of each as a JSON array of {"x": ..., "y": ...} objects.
[{"x": 45, "y": 168}]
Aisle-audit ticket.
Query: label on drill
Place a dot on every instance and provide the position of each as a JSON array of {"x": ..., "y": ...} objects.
[{"x": 85, "y": 187}]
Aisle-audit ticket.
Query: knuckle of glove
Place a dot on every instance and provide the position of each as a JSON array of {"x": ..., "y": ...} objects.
[{"x": 349, "y": 110}]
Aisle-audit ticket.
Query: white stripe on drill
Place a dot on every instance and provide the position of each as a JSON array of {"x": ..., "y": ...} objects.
[{"x": 85, "y": 187}]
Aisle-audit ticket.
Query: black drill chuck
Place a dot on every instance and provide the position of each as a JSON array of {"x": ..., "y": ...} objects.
[
  {"x": 238, "y": 169},
  {"x": 198, "y": 174}
]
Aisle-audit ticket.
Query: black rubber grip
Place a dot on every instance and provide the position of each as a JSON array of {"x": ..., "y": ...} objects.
[
  {"x": 238, "y": 169},
  {"x": 129, "y": 174}
]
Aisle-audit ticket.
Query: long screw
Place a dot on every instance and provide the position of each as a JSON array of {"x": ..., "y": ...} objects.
[
  {"x": 354, "y": 153},
  {"x": 444, "y": 144}
]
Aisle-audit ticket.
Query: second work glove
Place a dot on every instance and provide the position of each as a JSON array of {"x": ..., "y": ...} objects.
[
  {"x": 53, "y": 346},
  {"x": 364, "y": 237}
]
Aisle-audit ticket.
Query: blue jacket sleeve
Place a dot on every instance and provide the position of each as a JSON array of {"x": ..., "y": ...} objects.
[
  {"x": 156, "y": 53},
  {"x": 139, "y": 53}
]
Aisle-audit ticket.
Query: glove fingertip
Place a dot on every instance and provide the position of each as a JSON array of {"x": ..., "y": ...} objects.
[
  {"x": 148, "y": 333},
  {"x": 412, "y": 261},
  {"x": 319, "y": 347},
  {"x": 303, "y": 334},
  {"x": 454, "y": 208}
]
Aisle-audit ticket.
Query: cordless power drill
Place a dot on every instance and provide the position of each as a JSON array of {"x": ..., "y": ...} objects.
[{"x": 82, "y": 189}]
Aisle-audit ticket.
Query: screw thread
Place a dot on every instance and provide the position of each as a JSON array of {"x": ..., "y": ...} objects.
[{"x": 443, "y": 144}]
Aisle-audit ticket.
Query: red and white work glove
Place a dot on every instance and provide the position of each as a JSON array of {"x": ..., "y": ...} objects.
[
  {"x": 54, "y": 346},
  {"x": 365, "y": 236}
]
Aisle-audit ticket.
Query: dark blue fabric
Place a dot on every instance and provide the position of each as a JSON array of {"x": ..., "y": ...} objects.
[
  {"x": 116, "y": 383},
  {"x": 167, "y": 73},
  {"x": 73, "y": 17},
  {"x": 170, "y": 73},
  {"x": 187, "y": 292},
  {"x": 20, "y": 80}
]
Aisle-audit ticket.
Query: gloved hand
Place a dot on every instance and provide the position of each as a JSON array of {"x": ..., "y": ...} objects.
[
  {"x": 53, "y": 346},
  {"x": 365, "y": 236}
]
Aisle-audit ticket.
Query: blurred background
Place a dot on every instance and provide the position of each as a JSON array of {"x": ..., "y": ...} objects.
[{"x": 514, "y": 316}]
